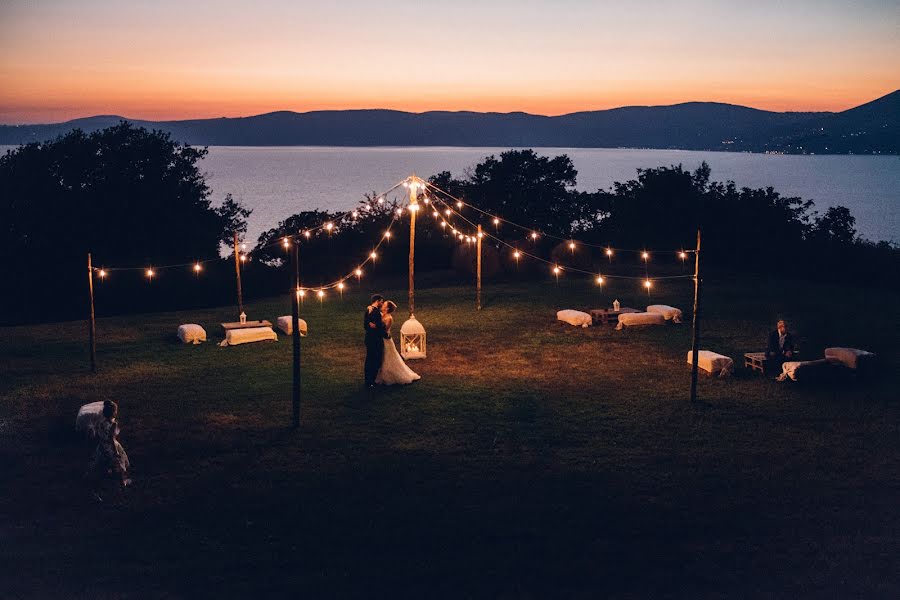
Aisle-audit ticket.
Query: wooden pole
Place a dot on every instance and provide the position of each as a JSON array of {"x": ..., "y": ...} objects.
[
  {"x": 92, "y": 323},
  {"x": 413, "y": 201},
  {"x": 478, "y": 272},
  {"x": 237, "y": 274},
  {"x": 695, "y": 341},
  {"x": 295, "y": 320}
]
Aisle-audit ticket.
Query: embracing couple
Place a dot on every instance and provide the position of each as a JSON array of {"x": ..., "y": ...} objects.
[{"x": 384, "y": 365}]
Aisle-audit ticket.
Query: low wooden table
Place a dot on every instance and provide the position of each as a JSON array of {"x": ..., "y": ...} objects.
[
  {"x": 247, "y": 325},
  {"x": 755, "y": 361},
  {"x": 602, "y": 316}
]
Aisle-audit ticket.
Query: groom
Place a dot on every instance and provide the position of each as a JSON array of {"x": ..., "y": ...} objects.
[{"x": 375, "y": 334}]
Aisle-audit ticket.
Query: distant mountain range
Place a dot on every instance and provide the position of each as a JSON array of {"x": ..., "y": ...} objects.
[{"x": 873, "y": 128}]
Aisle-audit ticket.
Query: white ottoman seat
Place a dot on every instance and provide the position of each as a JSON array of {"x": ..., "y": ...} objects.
[
  {"x": 233, "y": 337},
  {"x": 712, "y": 362},
  {"x": 191, "y": 333},
  {"x": 851, "y": 358},
  {"x": 669, "y": 313},
  {"x": 640, "y": 318},
  {"x": 285, "y": 325},
  {"x": 574, "y": 317},
  {"x": 88, "y": 418}
]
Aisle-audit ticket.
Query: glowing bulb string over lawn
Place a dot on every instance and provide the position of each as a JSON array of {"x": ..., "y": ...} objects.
[
  {"x": 197, "y": 266},
  {"x": 555, "y": 266},
  {"x": 497, "y": 220}
]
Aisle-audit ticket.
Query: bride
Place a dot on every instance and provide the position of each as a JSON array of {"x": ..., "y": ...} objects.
[{"x": 393, "y": 369}]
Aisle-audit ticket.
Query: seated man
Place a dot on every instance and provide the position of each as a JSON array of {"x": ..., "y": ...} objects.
[{"x": 780, "y": 347}]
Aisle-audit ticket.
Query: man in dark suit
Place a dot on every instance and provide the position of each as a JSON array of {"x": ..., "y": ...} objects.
[
  {"x": 780, "y": 347},
  {"x": 375, "y": 335}
]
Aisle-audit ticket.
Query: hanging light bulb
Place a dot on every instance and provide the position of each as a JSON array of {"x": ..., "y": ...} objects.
[
  {"x": 329, "y": 226},
  {"x": 381, "y": 200},
  {"x": 645, "y": 255},
  {"x": 609, "y": 253},
  {"x": 682, "y": 255},
  {"x": 435, "y": 214},
  {"x": 496, "y": 221},
  {"x": 307, "y": 233},
  {"x": 556, "y": 270},
  {"x": 243, "y": 246},
  {"x": 443, "y": 223},
  {"x": 285, "y": 242},
  {"x": 648, "y": 284},
  {"x": 400, "y": 211},
  {"x": 387, "y": 235},
  {"x": 480, "y": 234},
  {"x": 355, "y": 214},
  {"x": 459, "y": 205},
  {"x": 534, "y": 235},
  {"x": 517, "y": 254},
  {"x": 358, "y": 273},
  {"x": 426, "y": 200},
  {"x": 150, "y": 273},
  {"x": 102, "y": 273},
  {"x": 373, "y": 255},
  {"x": 447, "y": 212},
  {"x": 301, "y": 292},
  {"x": 413, "y": 207},
  {"x": 197, "y": 267},
  {"x": 571, "y": 245},
  {"x": 599, "y": 279},
  {"x": 243, "y": 258}
]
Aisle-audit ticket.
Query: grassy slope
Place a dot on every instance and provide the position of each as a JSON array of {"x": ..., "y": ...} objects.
[{"x": 532, "y": 459}]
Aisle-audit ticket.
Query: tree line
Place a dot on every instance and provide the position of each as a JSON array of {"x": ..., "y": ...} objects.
[{"x": 136, "y": 197}]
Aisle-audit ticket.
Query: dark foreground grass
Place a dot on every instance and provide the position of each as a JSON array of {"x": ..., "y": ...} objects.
[{"x": 532, "y": 459}]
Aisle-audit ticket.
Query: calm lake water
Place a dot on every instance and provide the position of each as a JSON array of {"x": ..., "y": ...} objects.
[{"x": 279, "y": 181}]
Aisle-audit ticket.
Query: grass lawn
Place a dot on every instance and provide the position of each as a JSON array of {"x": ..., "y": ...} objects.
[{"x": 533, "y": 459}]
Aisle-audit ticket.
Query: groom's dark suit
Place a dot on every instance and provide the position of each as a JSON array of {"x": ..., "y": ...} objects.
[{"x": 374, "y": 343}]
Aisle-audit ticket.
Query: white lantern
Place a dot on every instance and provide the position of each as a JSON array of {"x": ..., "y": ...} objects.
[{"x": 412, "y": 339}]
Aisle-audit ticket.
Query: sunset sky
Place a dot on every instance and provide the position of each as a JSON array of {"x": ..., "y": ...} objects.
[{"x": 167, "y": 59}]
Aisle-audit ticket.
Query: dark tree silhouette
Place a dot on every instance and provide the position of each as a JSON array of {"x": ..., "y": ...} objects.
[{"x": 125, "y": 194}]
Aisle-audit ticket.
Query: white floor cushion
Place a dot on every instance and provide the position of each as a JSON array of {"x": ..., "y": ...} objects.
[
  {"x": 233, "y": 337},
  {"x": 712, "y": 362},
  {"x": 640, "y": 318},
  {"x": 669, "y": 313},
  {"x": 574, "y": 317},
  {"x": 191, "y": 333},
  {"x": 89, "y": 416},
  {"x": 284, "y": 324},
  {"x": 849, "y": 357}
]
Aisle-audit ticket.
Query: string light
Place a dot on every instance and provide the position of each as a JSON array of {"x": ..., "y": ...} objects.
[
  {"x": 243, "y": 246},
  {"x": 534, "y": 235},
  {"x": 480, "y": 234},
  {"x": 447, "y": 212},
  {"x": 102, "y": 273},
  {"x": 373, "y": 255},
  {"x": 358, "y": 273},
  {"x": 150, "y": 273},
  {"x": 459, "y": 205},
  {"x": 609, "y": 254},
  {"x": 443, "y": 223},
  {"x": 648, "y": 284},
  {"x": 645, "y": 255},
  {"x": 329, "y": 226},
  {"x": 286, "y": 243},
  {"x": 496, "y": 221},
  {"x": 243, "y": 258},
  {"x": 387, "y": 235},
  {"x": 380, "y": 200},
  {"x": 682, "y": 255},
  {"x": 413, "y": 207},
  {"x": 435, "y": 214},
  {"x": 340, "y": 286},
  {"x": 355, "y": 214},
  {"x": 197, "y": 267},
  {"x": 599, "y": 279},
  {"x": 307, "y": 233},
  {"x": 572, "y": 246},
  {"x": 426, "y": 200},
  {"x": 517, "y": 254},
  {"x": 321, "y": 295}
]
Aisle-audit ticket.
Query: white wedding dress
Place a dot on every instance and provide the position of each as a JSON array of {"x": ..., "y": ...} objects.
[{"x": 393, "y": 369}]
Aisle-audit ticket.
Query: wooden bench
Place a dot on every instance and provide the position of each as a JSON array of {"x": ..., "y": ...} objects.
[{"x": 755, "y": 361}]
